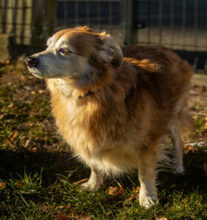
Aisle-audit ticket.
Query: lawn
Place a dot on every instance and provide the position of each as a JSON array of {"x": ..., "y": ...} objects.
[{"x": 39, "y": 178}]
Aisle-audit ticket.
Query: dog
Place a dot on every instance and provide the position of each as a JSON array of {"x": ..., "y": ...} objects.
[{"x": 114, "y": 109}]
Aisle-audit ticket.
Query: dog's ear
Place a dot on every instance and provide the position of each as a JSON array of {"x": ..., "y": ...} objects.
[
  {"x": 110, "y": 51},
  {"x": 49, "y": 42}
]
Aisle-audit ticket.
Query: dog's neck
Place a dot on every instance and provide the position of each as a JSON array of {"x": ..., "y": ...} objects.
[
  {"x": 84, "y": 87},
  {"x": 93, "y": 86},
  {"x": 67, "y": 89}
]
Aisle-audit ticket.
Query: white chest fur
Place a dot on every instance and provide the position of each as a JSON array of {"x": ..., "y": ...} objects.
[{"x": 74, "y": 123}]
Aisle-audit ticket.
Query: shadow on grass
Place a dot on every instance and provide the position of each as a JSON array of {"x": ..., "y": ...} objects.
[
  {"x": 14, "y": 163},
  {"x": 194, "y": 179}
]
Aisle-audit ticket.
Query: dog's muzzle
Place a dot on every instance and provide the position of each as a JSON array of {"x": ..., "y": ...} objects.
[{"x": 31, "y": 61}]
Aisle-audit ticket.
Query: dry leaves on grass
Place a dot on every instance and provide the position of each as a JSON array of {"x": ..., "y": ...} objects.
[
  {"x": 116, "y": 191},
  {"x": 11, "y": 139},
  {"x": 190, "y": 149},
  {"x": 134, "y": 194}
]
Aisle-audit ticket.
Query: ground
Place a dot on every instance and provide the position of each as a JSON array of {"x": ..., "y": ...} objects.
[{"x": 39, "y": 178}]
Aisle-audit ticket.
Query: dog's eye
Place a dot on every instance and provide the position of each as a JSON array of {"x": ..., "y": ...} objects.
[{"x": 65, "y": 51}]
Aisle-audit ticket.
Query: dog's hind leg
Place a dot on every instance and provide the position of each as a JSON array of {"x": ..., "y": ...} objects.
[
  {"x": 175, "y": 131},
  {"x": 94, "y": 182}
]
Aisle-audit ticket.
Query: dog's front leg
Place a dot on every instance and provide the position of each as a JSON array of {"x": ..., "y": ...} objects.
[
  {"x": 147, "y": 177},
  {"x": 94, "y": 182}
]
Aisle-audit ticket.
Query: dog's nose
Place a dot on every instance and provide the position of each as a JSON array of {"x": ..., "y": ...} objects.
[{"x": 31, "y": 61}]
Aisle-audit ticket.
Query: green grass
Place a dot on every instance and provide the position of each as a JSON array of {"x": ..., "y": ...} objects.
[{"x": 38, "y": 173}]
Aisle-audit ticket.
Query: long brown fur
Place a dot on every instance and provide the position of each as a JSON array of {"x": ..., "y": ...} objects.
[{"x": 131, "y": 105}]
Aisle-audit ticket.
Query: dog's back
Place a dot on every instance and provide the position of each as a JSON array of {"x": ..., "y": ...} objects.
[
  {"x": 167, "y": 74},
  {"x": 163, "y": 76}
]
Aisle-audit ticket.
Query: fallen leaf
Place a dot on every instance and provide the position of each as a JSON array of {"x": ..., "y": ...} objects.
[
  {"x": 7, "y": 61},
  {"x": 14, "y": 135},
  {"x": 80, "y": 217},
  {"x": 11, "y": 105},
  {"x": 62, "y": 217},
  {"x": 27, "y": 142},
  {"x": 187, "y": 149},
  {"x": 64, "y": 206},
  {"x": 80, "y": 181},
  {"x": 68, "y": 206},
  {"x": 161, "y": 218},
  {"x": 20, "y": 183},
  {"x": 134, "y": 195},
  {"x": 195, "y": 117},
  {"x": 46, "y": 207},
  {"x": 115, "y": 191},
  {"x": 41, "y": 91},
  {"x": 61, "y": 207},
  {"x": 34, "y": 149},
  {"x": 137, "y": 189},
  {"x": 11, "y": 139},
  {"x": 2, "y": 185},
  {"x": 121, "y": 189},
  {"x": 112, "y": 190}
]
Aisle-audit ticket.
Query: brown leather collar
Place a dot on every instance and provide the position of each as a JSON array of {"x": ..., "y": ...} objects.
[{"x": 89, "y": 93}]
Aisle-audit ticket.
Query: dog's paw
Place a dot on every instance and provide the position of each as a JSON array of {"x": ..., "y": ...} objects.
[
  {"x": 179, "y": 169},
  {"x": 147, "y": 201},
  {"x": 90, "y": 186}
]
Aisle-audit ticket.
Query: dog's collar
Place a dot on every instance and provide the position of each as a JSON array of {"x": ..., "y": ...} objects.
[{"x": 85, "y": 95}]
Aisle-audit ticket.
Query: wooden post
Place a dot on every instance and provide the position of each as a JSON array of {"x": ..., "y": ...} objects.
[
  {"x": 51, "y": 16},
  {"x": 7, "y": 40},
  {"x": 44, "y": 13},
  {"x": 1, "y": 17},
  {"x": 4, "y": 15},
  {"x": 129, "y": 22}
]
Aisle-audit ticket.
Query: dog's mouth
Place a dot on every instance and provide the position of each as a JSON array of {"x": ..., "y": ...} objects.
[
  {"x": 32, "y": 64},
  {"x": 38, "y": 76},
  {"x": 35, "y": 72},
  {"x": 44, "y": 75}
]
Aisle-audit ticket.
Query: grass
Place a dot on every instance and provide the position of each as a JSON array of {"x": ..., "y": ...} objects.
[{"x": 38, "y": 175}]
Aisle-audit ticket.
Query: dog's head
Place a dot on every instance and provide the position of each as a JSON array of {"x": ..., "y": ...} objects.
[{"x": 76, "y": 53}]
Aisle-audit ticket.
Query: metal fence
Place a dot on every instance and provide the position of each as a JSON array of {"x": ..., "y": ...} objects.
[
  {"x": 15, "y": 18},
  {"x": 178, "y": 24},
  {"x": 102, "y": 15}
]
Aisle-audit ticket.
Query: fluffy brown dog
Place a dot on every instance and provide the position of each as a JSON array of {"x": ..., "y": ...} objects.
[{"x": 112, "y": 110}]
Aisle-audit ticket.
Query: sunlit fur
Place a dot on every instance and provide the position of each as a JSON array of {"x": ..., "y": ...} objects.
[{"x": 134, "y": 101}]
